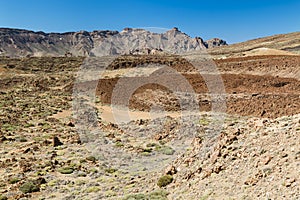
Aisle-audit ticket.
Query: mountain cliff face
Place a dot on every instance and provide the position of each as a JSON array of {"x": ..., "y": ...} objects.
[{"x": 17, "y": 42}]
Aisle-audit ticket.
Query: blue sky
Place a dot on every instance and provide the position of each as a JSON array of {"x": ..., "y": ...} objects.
[{"x": 231, "y": 20}]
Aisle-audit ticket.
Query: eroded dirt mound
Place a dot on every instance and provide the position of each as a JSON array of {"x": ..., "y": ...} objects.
[{"x": 131, "y": 61}]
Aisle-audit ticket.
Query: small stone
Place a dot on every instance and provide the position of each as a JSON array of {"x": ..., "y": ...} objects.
[
  {"x": 39, "y": 181},
  {"x": 218, "y": 168},
  {"x": 26, "y": 150},
  {"x": 71, "y": 124},
  {"x": 171, "y": 170},
  {"x": 267, "y": 160},
  {"x": 251, "y": 181},
  {"x": 56, "y": 142},
  {"x": 284, "y": 155},
  {"x": 46, "y": 142},
  {"x": 3, "y": 138},
  {"x": 289, "y": 182}
]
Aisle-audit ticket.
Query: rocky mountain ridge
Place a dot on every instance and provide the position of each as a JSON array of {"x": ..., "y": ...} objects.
[
  {"x": 18, "y": 42},
  {"x": 288, "y": 43}
]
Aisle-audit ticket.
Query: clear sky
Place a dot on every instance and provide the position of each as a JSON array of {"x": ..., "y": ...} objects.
[{"x": 232, "y": 20}]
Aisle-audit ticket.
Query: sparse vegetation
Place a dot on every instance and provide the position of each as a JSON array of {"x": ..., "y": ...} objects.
[
  {"x": 156, "y": 195},
  {"x": 159, "y": 195},
  {"x": 135, "y": 197},
  {"x": 165, "y": 150}
]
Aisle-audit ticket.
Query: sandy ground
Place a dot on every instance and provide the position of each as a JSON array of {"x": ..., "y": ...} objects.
[
  {"x": 110, "y": 114},
  {"x": 267, "y": 51}
]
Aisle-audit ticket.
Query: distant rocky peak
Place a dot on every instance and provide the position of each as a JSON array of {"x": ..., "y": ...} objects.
[
  {"x": 18, "y": 42},
  {"x": 215, "y": 42},
  {"x": 126, "y": 30},
  {"x": 133, "y": 30},
  {"x": 174, "y": 30}
]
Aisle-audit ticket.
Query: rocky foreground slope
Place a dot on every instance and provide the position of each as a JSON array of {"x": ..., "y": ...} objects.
[
  {"x": 17, "y": 42},
  {"x": 254, "y": 156}
]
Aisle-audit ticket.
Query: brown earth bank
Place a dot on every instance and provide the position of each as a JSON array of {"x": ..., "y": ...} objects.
[
  {"x": 274, "y": 65},
  {"x": 246, "y": 94},
  {"x": 268, "y": 95}
]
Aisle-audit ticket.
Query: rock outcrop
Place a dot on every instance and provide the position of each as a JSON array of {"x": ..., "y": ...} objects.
[{"x": 215, "y": 42}]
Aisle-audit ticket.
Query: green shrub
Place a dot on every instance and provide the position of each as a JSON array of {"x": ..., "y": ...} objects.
[
  {"x": 152, "y": 145},
  {"x": 93, "y": 170},
  {"x": 159, "y": 195},
  {"x": 29, "y": 187},
  {"x": 92, "y": 189},
  {"x": 165, "y": 150},
  {"x": 28, "y": 125},
  {"x": 204, "y": 121},
  {"x": 3, "y": 197},
  {"x": 164, "y": 180},
  {"x": 110, "y": 170},
  {"x": 14, "y": 180},
  {"x": 91, "y": 158},
  {"x": 119, "y": 144},
  {"x": 8, "y": 127},
  {"x": 135, "y": 197},
  {"x": 146, "y": 154},
  {"x": 66, "y": 170},
  {"x": 21, "y": 139}
]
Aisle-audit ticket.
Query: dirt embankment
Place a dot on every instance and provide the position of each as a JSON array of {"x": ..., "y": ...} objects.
[
  {"x": 247, "y": 94},
  {"x": 257, "y": 86},
  {"x": 273, "y": 65}
]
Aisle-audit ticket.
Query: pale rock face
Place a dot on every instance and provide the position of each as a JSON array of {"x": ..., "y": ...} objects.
[{"x": 16, "y": 42}]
